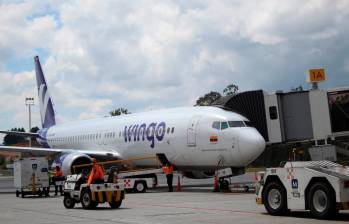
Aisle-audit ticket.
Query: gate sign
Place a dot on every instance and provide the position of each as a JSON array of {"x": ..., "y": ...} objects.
[{"x": 317, "y": 75}]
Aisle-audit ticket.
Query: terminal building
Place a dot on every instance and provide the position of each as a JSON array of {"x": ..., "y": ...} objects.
[{"x": 316, "y": 117}]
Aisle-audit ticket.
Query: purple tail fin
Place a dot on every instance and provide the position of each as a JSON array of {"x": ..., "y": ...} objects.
[{"x": 45, "y": 102}]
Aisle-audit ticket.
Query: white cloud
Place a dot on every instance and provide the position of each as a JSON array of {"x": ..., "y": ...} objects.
[
  {"x": 21, "y": 32},
  {"x": 86, "y": 116},
  {"x": 99, "y": 55}
]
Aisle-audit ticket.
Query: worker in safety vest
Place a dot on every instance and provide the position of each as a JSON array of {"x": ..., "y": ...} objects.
[
  {"x": 168, "y": 170},
  {"x": 51, "y": 173},
  {"x": 58, "y": 176},
  {"x": 97, "y": 174}
]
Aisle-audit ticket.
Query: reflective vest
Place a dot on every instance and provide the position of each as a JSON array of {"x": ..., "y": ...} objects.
[
  {"x": 51, "y": 173},
  {"x": 55, "y": 173},
  {"x": 59, "y": 173},
  {"x": 168, "y": 169},
  {"x": 97, "y": 173}
]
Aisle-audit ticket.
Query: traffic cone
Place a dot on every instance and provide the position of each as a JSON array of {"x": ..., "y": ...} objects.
[
  {"x": 255, "y": 177},
  {"x": 216, "y": 184},
  {"x": 178, "y": 188}
]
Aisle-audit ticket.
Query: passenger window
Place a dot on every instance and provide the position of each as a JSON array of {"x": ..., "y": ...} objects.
[
  {"x": 224, "y": 125},
  {"x": 236, "y": 124},
  {"x": 168, "y": 130},
  {"x": 172, "y": 130},
  {"x": 273, "y": 113},
  {"x": 216, "y": 125}
]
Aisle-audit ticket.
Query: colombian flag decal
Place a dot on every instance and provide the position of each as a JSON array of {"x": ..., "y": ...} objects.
[{"x": 213, "y": 138}]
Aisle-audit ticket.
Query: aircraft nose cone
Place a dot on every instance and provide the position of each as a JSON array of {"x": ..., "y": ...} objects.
[{"x": 251, "y": 145}]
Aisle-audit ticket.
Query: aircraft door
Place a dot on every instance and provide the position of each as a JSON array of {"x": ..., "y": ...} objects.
[{"x": 191, "y": 131}]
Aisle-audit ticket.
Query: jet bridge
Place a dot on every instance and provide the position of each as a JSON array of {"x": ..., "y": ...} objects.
[{"x": 319, "y": 116}]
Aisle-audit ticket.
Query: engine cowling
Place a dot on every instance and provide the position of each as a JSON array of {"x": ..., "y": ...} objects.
[{"x": 73, "y": 159}]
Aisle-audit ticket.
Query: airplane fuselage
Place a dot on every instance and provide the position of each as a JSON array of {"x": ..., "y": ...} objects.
[{"x": 190, "y": 137}]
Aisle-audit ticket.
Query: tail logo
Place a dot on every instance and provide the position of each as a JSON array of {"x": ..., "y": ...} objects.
[{"x": 44, "y": 97}]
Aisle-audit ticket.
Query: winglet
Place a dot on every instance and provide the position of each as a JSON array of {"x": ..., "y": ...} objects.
[{"x": 45, "y": 102}]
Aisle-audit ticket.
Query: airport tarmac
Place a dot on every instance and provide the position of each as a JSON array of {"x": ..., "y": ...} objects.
[
  {"x": 193, "y": 205},
  {"x": 7, "y": 186}
]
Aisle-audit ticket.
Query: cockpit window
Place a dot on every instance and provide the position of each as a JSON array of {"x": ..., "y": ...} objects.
[
  {"x": 236, "y": 124},
  {"x": 249, "y": 124},
  {"x": 231, "y": 124},
  {"x": 224, "y": 125},
  {"x": 216, "y": 125}
]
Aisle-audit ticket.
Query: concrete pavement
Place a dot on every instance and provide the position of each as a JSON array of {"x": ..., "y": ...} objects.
[{"x": 195, "y": 205}]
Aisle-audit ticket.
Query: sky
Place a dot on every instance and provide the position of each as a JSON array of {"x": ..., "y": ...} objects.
[{"x": 146, "y": 55}]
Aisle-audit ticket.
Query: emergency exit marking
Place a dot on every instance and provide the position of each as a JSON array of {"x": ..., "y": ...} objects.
[{"x": 317, "y": 75}]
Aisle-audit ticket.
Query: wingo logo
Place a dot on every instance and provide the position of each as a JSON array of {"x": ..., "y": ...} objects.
[{"x": 152, "y": 132}]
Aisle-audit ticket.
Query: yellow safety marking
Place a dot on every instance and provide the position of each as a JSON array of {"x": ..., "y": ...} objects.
[
  {"x": 33, "y": 184},
  {"x": 117, "y": 196},
  {"x": 259, "y": 201},
  {"x": 109, "y": 196},
  {"x": 93, "y": 196},
  {"x": 100, "y": 196}
]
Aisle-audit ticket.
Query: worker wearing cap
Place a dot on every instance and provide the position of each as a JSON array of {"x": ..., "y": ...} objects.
[
  {"x": 168, "y": 170},
  {"x": 96, "y": 175}
]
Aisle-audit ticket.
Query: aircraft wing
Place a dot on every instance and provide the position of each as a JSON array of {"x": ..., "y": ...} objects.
[
  {"x": 50, "y": 151},
  {"x": 18, "y": 133}
]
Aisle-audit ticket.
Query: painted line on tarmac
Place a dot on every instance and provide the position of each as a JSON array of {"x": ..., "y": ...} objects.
[{"x": 204, "y": 209}]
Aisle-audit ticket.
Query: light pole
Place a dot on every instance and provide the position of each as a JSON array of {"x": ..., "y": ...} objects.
[{"x": 29, "y": 101}]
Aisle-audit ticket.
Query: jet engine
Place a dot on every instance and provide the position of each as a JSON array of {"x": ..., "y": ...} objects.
[{"x": 73, "y": 159}]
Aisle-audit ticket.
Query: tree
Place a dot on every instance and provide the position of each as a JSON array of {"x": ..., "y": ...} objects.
[
  {"x": 297, "y": 89},
  {"x": 14, "y": 139},
  {"x": 34, "y": 130},
  {"x": 119, "y": 111},
  {"x": 208, "y": 99},
  {"x": 33, "y": 139},
  {"x": 230, "y": 90}
]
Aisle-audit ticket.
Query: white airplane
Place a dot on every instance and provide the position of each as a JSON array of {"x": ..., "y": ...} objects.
[{"x": 195, "y": 139}]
